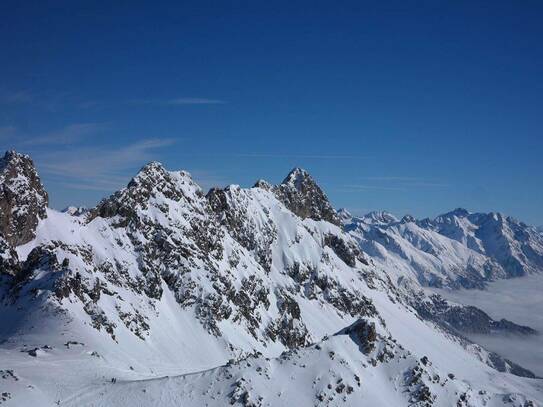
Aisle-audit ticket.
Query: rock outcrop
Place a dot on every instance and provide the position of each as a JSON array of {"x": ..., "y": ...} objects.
[
  {"x": 23, "y": 199},
  {"x": 301, "y": 194}
]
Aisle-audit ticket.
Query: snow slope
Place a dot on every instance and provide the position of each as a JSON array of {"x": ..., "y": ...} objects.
[{"x": 162, "y": 295}]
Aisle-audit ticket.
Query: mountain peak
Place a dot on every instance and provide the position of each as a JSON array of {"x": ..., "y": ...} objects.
[
  {"x": 152, "y": 181},
  {"x": 261, "y": 183},
  {"x": 303, "y": 196},
  {"x": 344, "y": 214},
  {"x": 460, "y": 212},
  {"x": 297, "y": 177},
  {"x": 151, "y": 169},
  {"x": 23, "y": 199},
  {"x": 379, "y": 217},
  {"x": 407, "y": 219},
  {"x": 154, "y": 174},
  {"x": 14, "y": 159}
]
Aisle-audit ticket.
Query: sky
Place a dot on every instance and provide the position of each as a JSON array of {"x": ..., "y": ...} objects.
[{"x": 414, "y": 107}]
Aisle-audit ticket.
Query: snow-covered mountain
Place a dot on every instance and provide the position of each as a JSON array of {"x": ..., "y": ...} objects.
[
  {"x": 164, "y": 295},
  {"x": 458, "y": 248}
]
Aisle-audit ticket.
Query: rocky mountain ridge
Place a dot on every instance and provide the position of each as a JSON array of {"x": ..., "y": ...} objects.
[
  {"x": 456, "y": 249},
  {"x": 229, "y": 293}
]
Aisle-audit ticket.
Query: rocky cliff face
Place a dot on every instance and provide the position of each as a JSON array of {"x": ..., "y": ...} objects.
[
  {"x": 300, "y": 193},
  {"x": 23, "y": 199},
  {"x": 23, "y": 203}
]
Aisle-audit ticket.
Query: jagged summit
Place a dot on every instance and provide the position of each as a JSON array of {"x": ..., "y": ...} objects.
[
  {"x": 23, "y": 199},
  {"x": 344, "y": 214},
  {"x": 153, "y": 181},
  {"x": 11, "y": 156},
  {"x": 152, "y": 167},
  {"x": 408, "y": 219},
  {"x": 303, "y": 196},
  {"x": 458, "y": 248},
  {"x": 261, "y": 183},
  {"x": 152, "y": 172},
  {"x": 379, "y": 217},
  {"x": 297, "y": 177},
  {"x": 460, "y": 212}
]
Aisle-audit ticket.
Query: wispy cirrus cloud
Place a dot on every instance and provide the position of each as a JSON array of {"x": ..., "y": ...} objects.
[
  {"x": 179, "y": 101},
  {"x": 102, "y": 169},
  {"x": 361, "y": 187},
  {"x": 391, "y": 178},
  {"x": 46, "y": 100},
  {"x": 67, "y": 135},
  {"x": 394, "y": 183},
  {"x": 207, "y": 179},
  {"x": 61, "y": 100},
  {"x": 68, "y": 156},
  {"x": 427, "y": 184},
  {"x": 300, "y": 156}
]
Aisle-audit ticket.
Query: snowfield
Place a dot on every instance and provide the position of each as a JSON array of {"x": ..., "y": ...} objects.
[{"x": 162, "y": 295}]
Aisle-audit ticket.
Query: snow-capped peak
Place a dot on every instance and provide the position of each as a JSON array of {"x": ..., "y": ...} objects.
[
  {"x": 458, "y": 212},
  {"x": 407, "y": 219},
  {"x": 297, "y": 177},
  {"x": 12, "y": 157},
  {"x": 303, "y": 196},
  {"x": 152, "y": 171},
  {"x": 261, "y": 183},
  {"x": 379, "y": 217},
  {"x": 344, "y": 214}
]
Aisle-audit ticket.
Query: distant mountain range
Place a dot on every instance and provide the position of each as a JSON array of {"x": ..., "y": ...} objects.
[
  {"x": 165, "y": 295},
  {"x": 455, "y": 249}
]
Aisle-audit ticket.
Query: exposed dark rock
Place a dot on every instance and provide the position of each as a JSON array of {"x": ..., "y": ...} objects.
[
  {"x": 251, "y": 295},
  {"x": 289, "y": 328},
  {"x": 363, "y": 333},
  {"x": 460, "y": 319},
  {"x": 23, "y": 199},
  {"x": 301, "y": 194},
  {"x": 352, "y": 303},
  {"x": 75, "y": 211},
  {"x": 465, "y": 318},
  {"x": 230, "y": 206},
  {"x": 346, "y": 251},
  {"x": 502, "y": 364},
  {"x": 9, "y": 260}
]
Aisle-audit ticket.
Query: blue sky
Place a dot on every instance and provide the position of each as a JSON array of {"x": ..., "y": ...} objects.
[{"x": 412, "y": 107}]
